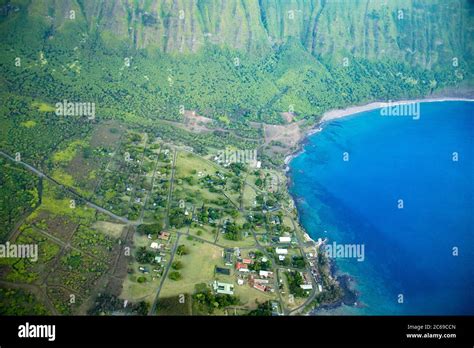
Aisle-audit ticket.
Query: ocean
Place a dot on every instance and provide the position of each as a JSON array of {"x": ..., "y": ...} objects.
[{"x": 402, "y": 188}]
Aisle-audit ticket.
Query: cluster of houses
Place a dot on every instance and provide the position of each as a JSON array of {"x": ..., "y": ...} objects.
[
  {"x": 312, "y": 257},
  {"x": 261, "y": 280},
  {"x": 307, "y": 282},
  {"x": 161, "y": 248}
]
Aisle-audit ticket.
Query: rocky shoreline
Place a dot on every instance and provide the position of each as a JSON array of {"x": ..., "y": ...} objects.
[{"x": 350, "y": 295}]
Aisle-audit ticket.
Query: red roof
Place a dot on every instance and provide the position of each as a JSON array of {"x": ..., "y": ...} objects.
[
  {"x": 240, "y": 265},
  {"x": 260, "y": 287},
  {"x": 247, "y": 261},
  {"x": 164, "y": 235}
]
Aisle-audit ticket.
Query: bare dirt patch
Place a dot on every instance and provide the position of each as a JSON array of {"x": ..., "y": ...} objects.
[
  {"x": 288, "y": 135},
  {"x": 288, "y": 116},
  {"x": 197, "y": 123}
]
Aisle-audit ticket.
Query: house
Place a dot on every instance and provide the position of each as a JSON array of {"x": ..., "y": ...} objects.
[
  {"x": 265, "y": 274},
  {"x": 285, "y": 239},
  {"x": 240, "y": 281},
  {"x": 154, "y": 245},
  {"x": 157, "y": 259},
  {"x": 228, "y": 258},
  {"x": 223, "y": 288},
  {"x": 247, "y": 261},
  {"x": 242, "y": 267},
  {"x": 281, "y": 257},
  {"x": 224, "y": 271},
  {"x": 260, "y": 287},
  {"x": 281, "y": 251},
  {"x": 306, "y": 286},
  {"x": 164, "y": 235}
]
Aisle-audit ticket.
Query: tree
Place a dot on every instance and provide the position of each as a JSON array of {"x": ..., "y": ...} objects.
[
  {"x": 177, "y": 265},
  {"x": 182, "y": 250},
  {"x": 263, "y": 309},
  {"x": 175, "y": 276},
  {"x": 144, "y": 256}
]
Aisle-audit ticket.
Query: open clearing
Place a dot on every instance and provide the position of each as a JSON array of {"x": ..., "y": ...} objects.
[{"x": 198, "y": 267}]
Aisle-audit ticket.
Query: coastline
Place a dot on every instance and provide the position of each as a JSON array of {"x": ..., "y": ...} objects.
[
  {"x": 357, "y": 109},
  {"x": 339, "y": 113},
  {"x": 350, "y": 295}
]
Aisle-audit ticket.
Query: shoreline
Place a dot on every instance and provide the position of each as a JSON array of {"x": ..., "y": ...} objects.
[
  {"x": 335, "y": 114},
  {"x": 352, "y": 110},
  {"x": 349, "y": 294}
]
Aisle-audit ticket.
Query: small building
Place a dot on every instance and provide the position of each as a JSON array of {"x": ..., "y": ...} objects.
[
  {"x": 247, "y": 261},
  {"x": 154, "y": 245},
  {"x": 285, "y": 239},
  {"x": 265, "y": 274},
  {"x": 281, "y": 257},
  {"x": 228, "y": 258},
  {"x": 242, "y": 267},
  {"x": 260, "y": 287},
  {"x": 240, "y": 281},
  {"x": 164, "y": 235},
  {"x": 281, "y": 251},
  {"x": 306, "y": 286},
  {"x": 223, "y": 288},
  {"x": 157, "y": 259}
]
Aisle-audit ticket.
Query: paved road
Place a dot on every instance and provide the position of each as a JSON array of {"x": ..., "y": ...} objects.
[
  {"x": 175, "y": 246},
  {"x": 125, "y": 220},
  {"x": 69, "y": 190}
]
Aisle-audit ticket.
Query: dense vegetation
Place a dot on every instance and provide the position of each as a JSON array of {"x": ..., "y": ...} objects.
[
  {"x": 19, "y": 302},
  {"x": 239, "y": 70},
  {"x": 236, "y": 88},
  {"x": 106, "y": 304},
  {"x": 206, "y": 302},
  {"x": 18, "y": 195}
]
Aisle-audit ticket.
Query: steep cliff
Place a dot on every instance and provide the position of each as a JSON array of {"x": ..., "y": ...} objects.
[{"x": 422, "y": 32}]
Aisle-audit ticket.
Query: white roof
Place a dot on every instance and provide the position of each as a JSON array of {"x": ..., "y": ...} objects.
[
  {"x": 154, "y": 245},
  {"x": 281, "y": 251},
  {"x": 285, "y": 239},
  {"x": 265, "y": 273}
]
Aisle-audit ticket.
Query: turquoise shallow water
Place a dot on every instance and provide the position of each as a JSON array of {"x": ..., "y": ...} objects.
[{"x": 408, "y": 251}]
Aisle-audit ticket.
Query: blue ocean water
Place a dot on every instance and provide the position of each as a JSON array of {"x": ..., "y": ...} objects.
[{"x": 408, "y": 251}]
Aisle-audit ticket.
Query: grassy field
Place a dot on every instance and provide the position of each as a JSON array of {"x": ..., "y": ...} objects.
[
  {"x": 198, "y": 267},
  {"x": 109, "y": 228},
  {"x": 248, "y": 296},
  {"x": 134, "y": 291}
]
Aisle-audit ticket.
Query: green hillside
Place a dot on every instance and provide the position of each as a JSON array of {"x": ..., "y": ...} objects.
[{"x": 231, "y": 60}]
